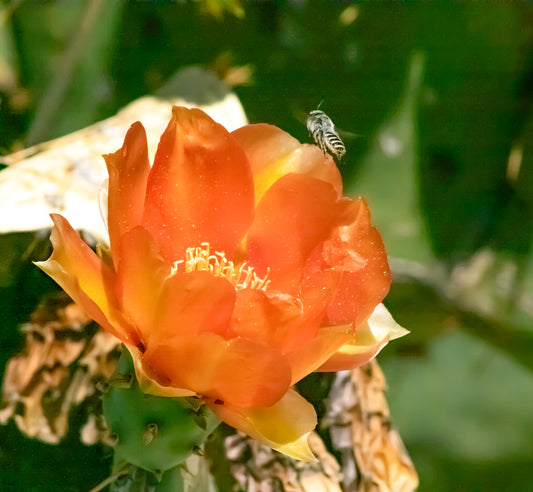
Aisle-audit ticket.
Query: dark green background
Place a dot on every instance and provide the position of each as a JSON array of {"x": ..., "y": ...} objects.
[{"x": 438, "y": 94}]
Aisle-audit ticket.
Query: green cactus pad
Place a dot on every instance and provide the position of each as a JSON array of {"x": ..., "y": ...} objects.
[{"x": 154, "y": 433}]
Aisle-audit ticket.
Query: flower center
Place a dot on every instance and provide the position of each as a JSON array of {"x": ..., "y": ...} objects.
[{"x": 201, "y": 259}]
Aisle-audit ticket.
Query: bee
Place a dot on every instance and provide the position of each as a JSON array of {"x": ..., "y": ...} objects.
[{"x": 324, "y": 134}]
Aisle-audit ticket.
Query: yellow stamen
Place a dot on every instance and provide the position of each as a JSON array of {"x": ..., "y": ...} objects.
[{"x": 200, "y": 259}]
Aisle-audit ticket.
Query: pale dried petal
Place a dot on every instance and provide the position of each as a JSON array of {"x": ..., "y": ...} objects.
[{"x": 358, "y": 417}]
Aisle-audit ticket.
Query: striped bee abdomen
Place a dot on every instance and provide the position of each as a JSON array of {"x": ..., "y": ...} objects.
[
  {"x": 324, "y": 134},
  {"x": 334, "y": 144}
]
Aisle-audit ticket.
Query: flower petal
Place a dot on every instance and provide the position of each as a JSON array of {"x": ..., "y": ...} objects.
[
  {"x": 200, "y": 188},
  {"x": 85, "y": 278},
  {"x": 296, "y": 213},
  {"x": 274, "y": 153},
  {"x": 254, "y": 316},
  {"x": 284, "y": 426},
  {"x": 383, "y": 324},
  {"x": 277, "y": 320},
  {"x": 148, "y": 384},
  {"x": 309, "y": 357},
  {"x": 237, "y": 372},
  {"x": 128, "y": 170},
  {"x": 141, "y": 271},
  {"x": 369, "y": 339},
  {"x": 192, "y": 303},
  {"x": 353, "y": 263},
  {"x": 363, "y": 348}
]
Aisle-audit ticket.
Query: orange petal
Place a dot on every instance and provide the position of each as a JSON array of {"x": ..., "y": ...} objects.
[
  {"x": 128, "y": 170},
  {"x": 150, "y": 385},
  {"x": 309, "y": 357},
  {"x": 268, "y": 319},
  {"x": 368, "y": 340},
  {"x": 253, "y": 316},
  {"x": 85, "y": 278},
  {"x": 200, "y": 188},
  {"x": 277, "y": 319},
  {"x": 284, "y": 426},
  {"x": 353, "y": 263},
  {"x": 192, "y": 303},
  {"x": 237, "y": 372},
  {"x": 354, "y": 354},
  {"x": 296, "y": 213},
  {"x": 140, "y": 276},
  {"x": 274, "y": 153}
]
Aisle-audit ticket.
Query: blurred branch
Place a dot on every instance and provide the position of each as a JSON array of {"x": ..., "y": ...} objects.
[
  {"x": 510, "y": 339},
  {"x": 428, "y": 300}
]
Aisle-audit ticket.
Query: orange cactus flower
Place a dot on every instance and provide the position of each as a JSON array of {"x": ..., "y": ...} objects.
[{"x": 235, "y": 268}]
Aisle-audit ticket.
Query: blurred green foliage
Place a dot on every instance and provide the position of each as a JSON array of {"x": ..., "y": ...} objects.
[{"x": 440, "y": 97}]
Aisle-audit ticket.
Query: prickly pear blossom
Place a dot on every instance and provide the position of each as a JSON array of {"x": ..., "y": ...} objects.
[{"x": 235, "y": 268}]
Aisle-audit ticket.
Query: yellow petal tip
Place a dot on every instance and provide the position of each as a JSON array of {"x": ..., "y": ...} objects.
[
  {"x": 383, "y": 324},
  {"x": 298, "y": 450},
  {"x": 50, "y": 267}
]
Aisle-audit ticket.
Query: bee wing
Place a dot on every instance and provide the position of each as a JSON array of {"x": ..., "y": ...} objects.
[
  {"x": 346, "y": 135},
  {"x": 300, "y": 115}
]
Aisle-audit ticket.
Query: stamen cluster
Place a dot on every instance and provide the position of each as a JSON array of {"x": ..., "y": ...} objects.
[{"x": 201, "y": 259}]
